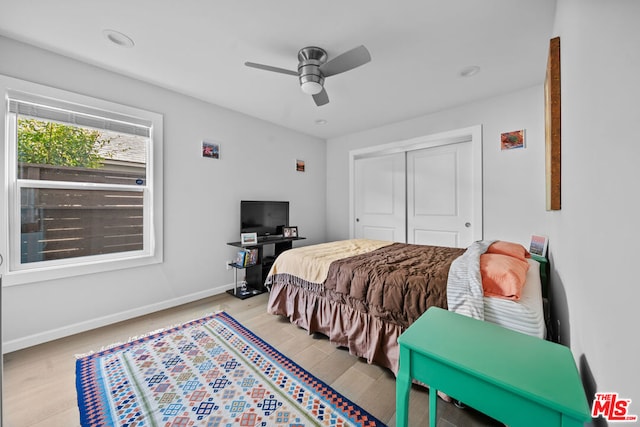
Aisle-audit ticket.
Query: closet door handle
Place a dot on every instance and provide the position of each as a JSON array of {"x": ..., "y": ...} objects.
[{"x": 467, "y": 224}]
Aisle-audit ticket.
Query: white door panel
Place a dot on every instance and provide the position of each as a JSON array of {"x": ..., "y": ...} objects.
[
  {"x": 433, "y": 178},
  {"x": 380, "y": 209},
  {"x": 381, "y": 233},
  {"x": 439, "y": 195},
  {"x": 435, "y": 238}
]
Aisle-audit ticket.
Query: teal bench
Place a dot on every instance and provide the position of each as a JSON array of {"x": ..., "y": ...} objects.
[{"x": 515, "y": 378}]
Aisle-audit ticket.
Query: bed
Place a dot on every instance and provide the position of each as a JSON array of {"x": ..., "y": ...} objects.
[{"x": 362, "y": 294}]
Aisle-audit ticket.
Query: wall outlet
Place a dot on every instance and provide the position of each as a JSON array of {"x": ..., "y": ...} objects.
[{"x": 228, "y": 265}]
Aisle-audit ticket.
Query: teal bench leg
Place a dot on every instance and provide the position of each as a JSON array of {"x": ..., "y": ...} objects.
[
  {"x": 433, "y": 404},
  {"x": 403, "y": 387}
]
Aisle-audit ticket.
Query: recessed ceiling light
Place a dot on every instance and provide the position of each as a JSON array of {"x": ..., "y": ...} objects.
[
  {"x": 321, "y": 122},
  {"x": 469, "y": 71},
  {"x": 118, "y": 38}
]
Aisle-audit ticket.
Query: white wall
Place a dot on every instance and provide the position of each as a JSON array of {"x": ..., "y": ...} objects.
[
  {"x": 201, "y": 201},
  {"x": 513, "y": 180},
  {"x": 595, "y": 236}
]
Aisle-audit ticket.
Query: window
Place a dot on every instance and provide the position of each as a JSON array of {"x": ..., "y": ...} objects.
[{"x": 81, "y": 190}]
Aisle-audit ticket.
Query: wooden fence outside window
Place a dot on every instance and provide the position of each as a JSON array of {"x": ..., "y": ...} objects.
[{"x": 67, "y": 223}]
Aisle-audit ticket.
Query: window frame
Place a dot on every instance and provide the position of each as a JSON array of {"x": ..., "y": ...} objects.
[{"x": 13, "y": 271}]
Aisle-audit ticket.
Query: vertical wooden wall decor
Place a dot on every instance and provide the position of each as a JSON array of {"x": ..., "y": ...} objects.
[{"x": 552, "y": 125}]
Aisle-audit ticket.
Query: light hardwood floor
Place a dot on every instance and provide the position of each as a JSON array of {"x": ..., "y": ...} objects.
[{"x": 39, "y": 382}]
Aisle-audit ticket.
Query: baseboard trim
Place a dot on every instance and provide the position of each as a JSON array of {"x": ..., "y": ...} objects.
[{"x": 65, "y": 331}]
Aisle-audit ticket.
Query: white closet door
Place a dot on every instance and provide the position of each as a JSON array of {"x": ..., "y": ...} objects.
[
  {"x": 380, "y": 209},
  {"x": 440, "y": 196}
]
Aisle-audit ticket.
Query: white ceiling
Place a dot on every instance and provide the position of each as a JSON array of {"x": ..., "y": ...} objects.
[{"x": 198, "y": 47}]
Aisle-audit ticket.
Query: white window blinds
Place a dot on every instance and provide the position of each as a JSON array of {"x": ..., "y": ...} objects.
[{"x": 38, "y": 107}]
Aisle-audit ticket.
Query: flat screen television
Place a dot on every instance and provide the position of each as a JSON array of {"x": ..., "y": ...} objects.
[{"x": 266, "y": 218}]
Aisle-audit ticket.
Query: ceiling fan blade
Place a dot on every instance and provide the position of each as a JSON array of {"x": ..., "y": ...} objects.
[
  {"x": 270, "y": 68},
  {"x": 347, "y": 61},
  {"x": 321, "y": 98}
]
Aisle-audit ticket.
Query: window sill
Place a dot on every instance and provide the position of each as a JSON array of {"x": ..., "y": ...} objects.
[{"x": 25, "y": 277}]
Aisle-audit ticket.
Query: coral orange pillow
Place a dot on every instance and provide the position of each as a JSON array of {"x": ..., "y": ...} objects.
[
  {"x": 503, "y": 276},
  {"x": 515, "y": 250}
]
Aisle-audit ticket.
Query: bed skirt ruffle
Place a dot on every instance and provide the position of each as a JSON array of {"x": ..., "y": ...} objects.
[{"x": 364, "y": 335}]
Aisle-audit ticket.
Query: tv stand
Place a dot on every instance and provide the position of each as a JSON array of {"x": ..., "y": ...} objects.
[{"x": 256, "y": 274}]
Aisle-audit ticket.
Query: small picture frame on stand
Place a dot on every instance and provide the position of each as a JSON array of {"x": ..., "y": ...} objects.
[
  {"x": 538, "y": 245},
  {"x": 248, "y": 238},
  {"x": 290, "y": 232}
]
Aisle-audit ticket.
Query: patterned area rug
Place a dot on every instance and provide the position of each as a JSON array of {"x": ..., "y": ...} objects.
[{"x": 208, "y": 372}]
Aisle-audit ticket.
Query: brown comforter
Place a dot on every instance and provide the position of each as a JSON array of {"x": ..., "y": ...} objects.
[
  {"x": 362, "y": 294},
  {"x": 396, "y": 283}
]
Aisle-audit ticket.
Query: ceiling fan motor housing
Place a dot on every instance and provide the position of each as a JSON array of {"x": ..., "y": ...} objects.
[{"x": 310, "y": 59}]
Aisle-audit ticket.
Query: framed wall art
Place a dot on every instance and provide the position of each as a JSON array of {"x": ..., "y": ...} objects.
[
  {"x": 552, "y": 125},
  {"x": 210, "y": 150},
  {"x": 511, "y": 140}
]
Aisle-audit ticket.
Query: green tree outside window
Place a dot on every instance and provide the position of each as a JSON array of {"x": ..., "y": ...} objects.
[{"x": 49, "y": 143}]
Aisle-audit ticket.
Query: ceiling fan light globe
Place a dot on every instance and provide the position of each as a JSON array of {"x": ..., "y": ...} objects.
[{"x": 311, "y": 88}]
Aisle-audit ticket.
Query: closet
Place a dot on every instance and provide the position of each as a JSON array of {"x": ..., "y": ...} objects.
[{"x": 426, "y": 190}]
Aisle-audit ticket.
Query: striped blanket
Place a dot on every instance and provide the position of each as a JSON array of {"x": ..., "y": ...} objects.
[{"x": 464, "y": 284}]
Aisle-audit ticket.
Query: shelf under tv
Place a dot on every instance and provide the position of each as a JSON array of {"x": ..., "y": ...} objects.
[{"x": 256, "y": 274}]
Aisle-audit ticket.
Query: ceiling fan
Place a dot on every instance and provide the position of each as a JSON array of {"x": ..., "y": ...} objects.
[{"x": 313, "y": 67}]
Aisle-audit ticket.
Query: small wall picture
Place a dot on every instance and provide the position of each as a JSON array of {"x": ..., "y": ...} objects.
[
  {"x": 300, "y": 165},
  {"x": 511, "y": 140},
  {"x": 248, "y": 238},
  {"x": 538, "y": 245},
  {"x": 210, "y": 150},
  {"x": 290, "y": 232}
]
